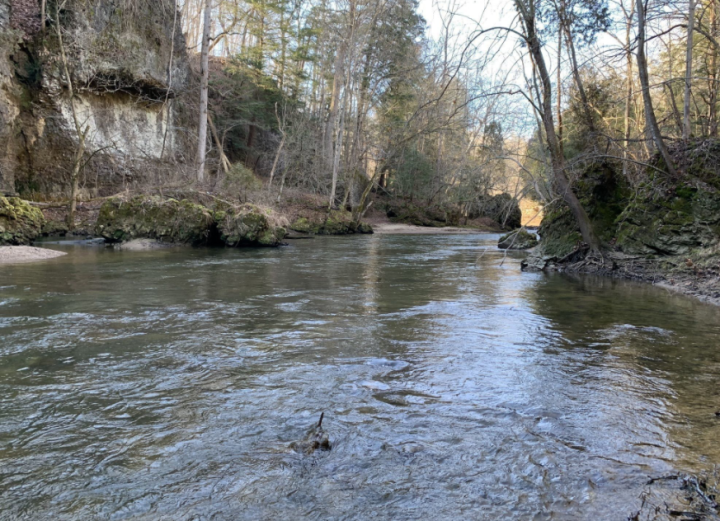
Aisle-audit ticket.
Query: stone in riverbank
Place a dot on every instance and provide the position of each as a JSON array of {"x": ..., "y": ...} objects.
[
  {"x": 664, "y": 231},
  {"x": 23, "y": 254},
  {"x": 149, "y": 217},
  {"x": 519, "y": 239},
  {"x": 334, "y": 222},
  {"x": 20, "y": 223},
  {"x": 249, "y": 225}
]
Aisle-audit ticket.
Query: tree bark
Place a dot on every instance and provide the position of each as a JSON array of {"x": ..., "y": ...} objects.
[
  {"x": 650, "y": 119},
  {"x": 81, "y": 134},
  {"x": 629, "y": 89},
  {"x": 688, "y": 71},
  {"x": 712, "y": 103},
  {"x": 205, "y": 72},
  {"x": 527, "y": 14},
  {"x": 559, "y": 89},
  {"x": 587, "y": 109}
]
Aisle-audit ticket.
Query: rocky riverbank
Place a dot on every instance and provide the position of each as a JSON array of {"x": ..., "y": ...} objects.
[{"x": 658, "y": 230}]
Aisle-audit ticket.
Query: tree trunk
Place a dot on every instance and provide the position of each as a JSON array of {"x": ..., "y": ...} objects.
[
  {"x": 527, "y": 14},
  {"x": 334, "y": 102},
  {"x": 202, "y": 131},
  {"x": 688, "y": 71},
  {"x": 559, "y": 89},
  {"x": 650, "y": 119},
  {"x": 338, "y": 152},
  {"x": 75, "y": 179},
  {"x": 81, "y": 134},
  {"x": 629, "y": 88},
  {"x": 224, "y": 161},
  {"x": 587, "y": 109},
  {"x": 713, "y": 87}
]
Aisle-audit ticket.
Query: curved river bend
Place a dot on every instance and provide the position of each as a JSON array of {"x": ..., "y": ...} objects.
[{"x": 170, "y": 384}]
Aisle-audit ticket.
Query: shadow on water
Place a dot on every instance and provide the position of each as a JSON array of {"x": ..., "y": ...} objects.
[{"x": 170, "y": 384}]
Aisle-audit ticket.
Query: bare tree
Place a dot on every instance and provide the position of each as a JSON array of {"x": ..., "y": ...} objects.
[
  {"x": 688, "y": 70},
  {"x": 81, "y": 133},
  {"x": 205, "y": 72},
  {"x": 527, "y": 11},
  {"x": 650, "y": 118}
]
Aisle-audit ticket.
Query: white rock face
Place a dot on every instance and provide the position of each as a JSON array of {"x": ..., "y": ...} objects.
[
  {"x": 125, "y": 98},
  {"x": 122, "y": 126}
]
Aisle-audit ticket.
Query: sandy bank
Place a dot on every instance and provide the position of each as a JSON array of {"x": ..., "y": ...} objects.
[
  {"x": 20, "y": 254},
  {"x": 409, "y": 229}
]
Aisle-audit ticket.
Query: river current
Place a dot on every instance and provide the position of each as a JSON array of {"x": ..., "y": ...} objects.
[{"x": 170, "y": 385}]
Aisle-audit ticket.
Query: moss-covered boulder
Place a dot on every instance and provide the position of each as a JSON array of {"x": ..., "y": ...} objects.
[
  {"x": 20, "y": 222},
  {"x": 674, "y": 222},
  {"x": 249, "y": 225},
  {"x": 147, "y": 217},
  {"x": 519, "y": 239},
  {"x": 334, "y": 222},
  {"x": 603, "y": 193}
]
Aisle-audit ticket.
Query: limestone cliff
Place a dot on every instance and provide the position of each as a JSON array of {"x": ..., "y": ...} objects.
[{"x": 128, "y": 62}]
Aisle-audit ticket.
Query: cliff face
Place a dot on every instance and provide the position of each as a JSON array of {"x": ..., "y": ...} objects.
[{"x": 120, "y": 54}]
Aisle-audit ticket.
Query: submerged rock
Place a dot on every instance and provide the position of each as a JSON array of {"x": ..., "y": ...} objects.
[
  {"x": 149, "y": 217},
  {"x": 249, "y": 225},
  {"x": 519, "y": 239},
  {"x": 141, "y": 245},
  {"x": 20, "y": 222}
]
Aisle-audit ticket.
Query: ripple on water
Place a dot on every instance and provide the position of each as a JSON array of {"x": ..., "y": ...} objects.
[{"x": 452, "y": 387}]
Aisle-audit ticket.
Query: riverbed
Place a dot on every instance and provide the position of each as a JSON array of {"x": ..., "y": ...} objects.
[{"x": 169, "y": 384}]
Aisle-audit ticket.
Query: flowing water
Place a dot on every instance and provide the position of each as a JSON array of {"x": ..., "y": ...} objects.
[{"x": 170, "y": 384}]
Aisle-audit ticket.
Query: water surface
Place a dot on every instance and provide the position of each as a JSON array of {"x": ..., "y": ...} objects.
[{"x": 170, "y": 384}]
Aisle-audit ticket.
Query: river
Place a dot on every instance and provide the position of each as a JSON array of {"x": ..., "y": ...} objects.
[{"x": 170, "y": 384}]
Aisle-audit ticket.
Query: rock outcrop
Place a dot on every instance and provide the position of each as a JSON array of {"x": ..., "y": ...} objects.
[
  {"x": 172, "y": 221},
  {"x": 334, "y": 222},
  {"x": 675, "y": 222},
  {"x": 519, "y": 239},
  {"x": 20, "y": 223},
  {"x": 129, "y": 62},
  {"x": 248, "y": 225},
  {"x": 407, "y": 212},
  {"x": 164, "y": 220}
]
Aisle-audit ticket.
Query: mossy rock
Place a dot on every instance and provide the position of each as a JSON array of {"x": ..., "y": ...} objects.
[
  {"x": 519, "y": 239},
  {"x": 248, "y": 225},
  {"x": 365, "y": 228},
  {"x": 409, "y": 213},
  {"x": 55, "y": 228},
  {"x": 674, "y": 223},
  {"x": 334, "y": 222},
  {"x": 20, "y": 222},
  {"x": 603, "y": 193},
  {"x": 147, "y": 217},
  {"x": 304, "y": 225}
]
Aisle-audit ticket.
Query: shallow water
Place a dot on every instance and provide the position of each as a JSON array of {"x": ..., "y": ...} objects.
[{"x": 170, "y": 384}]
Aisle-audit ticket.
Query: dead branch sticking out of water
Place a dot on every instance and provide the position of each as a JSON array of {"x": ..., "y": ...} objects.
[{"x": 683, "y": 496}]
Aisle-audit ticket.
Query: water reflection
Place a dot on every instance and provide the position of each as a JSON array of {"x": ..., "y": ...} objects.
[{"x": 171, "y": 383}]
